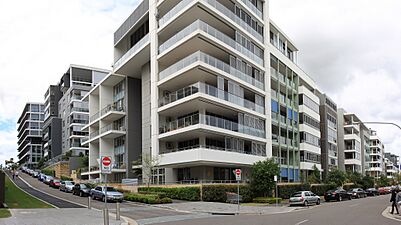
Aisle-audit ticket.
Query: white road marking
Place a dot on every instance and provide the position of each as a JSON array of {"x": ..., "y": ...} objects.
[
  {"x": 303, "y": 221},
  {"x": 354, "y": 205}
]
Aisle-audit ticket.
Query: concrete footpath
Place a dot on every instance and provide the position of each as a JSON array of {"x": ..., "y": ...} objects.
[
  {"x": 57, "y": 217},
  {"x": 386, "y": 213},
  {"x": 225, "y": 208}
]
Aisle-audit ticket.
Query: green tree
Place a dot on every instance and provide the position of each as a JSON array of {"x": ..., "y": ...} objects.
[
  {"x": 383, "y": 181},
  {"x": 314, "y": 178},
  {"x": 355, "y": 177},
  {"x": 262, "y": 177},
  {"x": 368, "y": 182},
  {"x": 336, "y": 177},
  {"x": 84, "y": 160}
]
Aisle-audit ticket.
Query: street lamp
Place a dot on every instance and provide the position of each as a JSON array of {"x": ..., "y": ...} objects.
[{"x": 382, "y": 123}]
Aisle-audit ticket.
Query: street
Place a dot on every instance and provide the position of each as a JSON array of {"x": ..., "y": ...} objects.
[{"x": 366, "y": 211}]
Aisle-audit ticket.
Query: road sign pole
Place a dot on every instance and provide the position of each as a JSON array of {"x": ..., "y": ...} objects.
[
  {"x": 238, "y": 194},
  {"x": 106, "y": 211}
]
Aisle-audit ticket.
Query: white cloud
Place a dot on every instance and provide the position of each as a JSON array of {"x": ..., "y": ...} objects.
[
  {"x": 38, "y": 41},
  {"x": 351, "y": 49}
]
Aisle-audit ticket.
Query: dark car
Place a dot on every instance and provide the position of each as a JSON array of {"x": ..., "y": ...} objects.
[
  {"x": 54, "y": 183},
  {"x": 357, "y": 193},
  {"x": 371, "y": 192},
  {"x": 337, "y": 195},
  {"x": 81, "y": 190}
]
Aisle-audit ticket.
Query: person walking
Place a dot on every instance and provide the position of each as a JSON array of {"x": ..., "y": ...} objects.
[
  {"x": 13, "y": 174},
  {"x": 394, "y": 201},
  {"x": 16, "y": 174}
]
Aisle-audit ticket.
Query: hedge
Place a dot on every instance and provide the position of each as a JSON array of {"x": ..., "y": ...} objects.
[
  {"x": 182, "y": 193},
  {"x": 320, "y": 189},
  {"x": 268, "y": 200},
  {"x": 148, "y": 199},
  {"x": 48, "y": 172},
  {"x": 65, "y": 178},
  {"x": 286, "y": 190}
]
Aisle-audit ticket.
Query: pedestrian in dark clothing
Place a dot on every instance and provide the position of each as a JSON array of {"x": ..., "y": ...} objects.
[
  {"x": 393, "y": 201},
  {"x": 13, "y": 174}
]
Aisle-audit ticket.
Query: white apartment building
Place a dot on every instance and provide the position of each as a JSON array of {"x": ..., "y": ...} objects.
[
  {"x": 191, "y": 86},
  {"x": 391, "y": 168},
  {"x": 375, "y": 164}
]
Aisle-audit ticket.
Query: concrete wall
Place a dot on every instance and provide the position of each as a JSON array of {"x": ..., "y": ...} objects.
[{"x": 340, "y": 139}]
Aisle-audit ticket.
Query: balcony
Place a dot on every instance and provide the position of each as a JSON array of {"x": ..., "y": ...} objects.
[
  {"x": 199, "y": 25},
  {"x": 76, "y": 109},
  {"x": 213, "y": 148},
  {"x": 212, "y": 91},
  {"x": 215, "y": 5},
  {"x": 210, "y": 121},
  {"x": 253, "y": 8},
  {"x": 112, "y": 131},
  {"x": 131, "y": 52},
  {"x": 112, "y": 112},
  {"x": 200, "y": 57},
  {"x": 94, "y": 117}
]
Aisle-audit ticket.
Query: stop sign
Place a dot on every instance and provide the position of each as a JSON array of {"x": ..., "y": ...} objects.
[
  {"x": 106, "y": 161},
  {"x": 238, "y": 172}
]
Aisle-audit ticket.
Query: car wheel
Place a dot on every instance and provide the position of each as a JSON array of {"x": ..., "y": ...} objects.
[
  {"x": 81, "y": 194},
  {"x": 340, "y": 198},
  {"x": 103, "y": 199},
  {"x": 350, "y": 197},
  {"x": 93, "y": 197},
  {"x": 305, "y": 203},
  {"x": 318, "y": 202}
]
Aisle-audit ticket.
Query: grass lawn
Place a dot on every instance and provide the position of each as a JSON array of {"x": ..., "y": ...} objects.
[
  {"x": 16, "y": 198},
  {"x": 4, "y": 213}
]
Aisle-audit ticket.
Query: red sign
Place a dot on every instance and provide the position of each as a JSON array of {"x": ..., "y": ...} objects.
[
  {"x": 106, "y": 161},
  {"x": 237, "y": 172}
]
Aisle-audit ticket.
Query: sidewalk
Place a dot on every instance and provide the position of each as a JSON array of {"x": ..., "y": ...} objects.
[
  {"x": 386, "y": 213},
  {"x": 225, "y": 208},
  {"x": 57, "y": 217}
]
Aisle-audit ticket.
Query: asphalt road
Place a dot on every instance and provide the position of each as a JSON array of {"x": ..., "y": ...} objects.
[{"x": 366, "y": 211}]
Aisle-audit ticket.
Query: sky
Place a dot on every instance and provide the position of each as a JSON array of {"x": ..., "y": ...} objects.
[{"x": 350, "y": 48}]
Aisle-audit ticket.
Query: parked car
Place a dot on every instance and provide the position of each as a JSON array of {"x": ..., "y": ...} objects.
[
  {"x": 371, "y": 192},
  {"x": 357, "y": 193},
  {"x": 81, "y": 190},
  {"x": 338, "y": 195},
  {"x": 304, "y": 198},
  {"x": 35, "y": 174},
  {"x": 54, "y": 183},
  {"x": 41, "y": 177},
  {"x": 112, "y": 194},
  {"x": 384, "y": 190},
  {"x": 66, "y": 185},
  {"x": 47, "y": 179}
]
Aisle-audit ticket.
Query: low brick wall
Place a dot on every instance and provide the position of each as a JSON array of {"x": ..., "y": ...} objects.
[{"x": 60, "y": 169}]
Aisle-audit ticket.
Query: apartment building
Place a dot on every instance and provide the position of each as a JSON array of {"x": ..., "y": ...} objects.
[
  {"x": 209, "y": 86},
  {"x": 74, "y": 113},
  {"x": 328, "y": 130},
  {"x": 375, "y": 163},
  {"x": 29, "y": 129},
  {"x": 349, "y": 142},
  {"x": 391, "y": 169},
  {"x": 51, "y": 131}
]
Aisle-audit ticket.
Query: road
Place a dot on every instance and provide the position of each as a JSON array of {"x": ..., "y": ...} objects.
[{"x": 365, "y": 211}]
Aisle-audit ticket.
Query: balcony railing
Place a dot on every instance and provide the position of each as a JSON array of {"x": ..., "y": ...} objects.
[
  {"x": 202, "y": 26},
  {"x": 94, "y": 117},
  {"x": 217, "y": 5},
  {"x": 253, "y": 8},
  {"x": 214, "y": 62},
  {"x": 213, "y": 148},
  {"x": 112, "y": 127},
  {"x": 210, "y": 121},
  {"x": 131, "y": 51},
  {"x": 112, "y": 107},
  {"x": 76, "y": 109},
  {"x": 213, "y": 91}
]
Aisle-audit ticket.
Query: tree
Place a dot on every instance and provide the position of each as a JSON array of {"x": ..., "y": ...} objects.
[
  {"x": 262, "y": 177},
  {"x": 336, "y": 177},
  {"x": 84, "y": 160},
  {"x": 368, "y": 182},
  {"x": 354, "y": 177},
  {"x": 149, "y": 163},
  {"x": 314, "y": 178},
  {"x": 383, "y": 181}
]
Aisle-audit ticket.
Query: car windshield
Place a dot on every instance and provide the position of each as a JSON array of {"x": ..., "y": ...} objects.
[
  {"x": 110, "y": 189},
  {"x": 297, "y": 194},
  {"x": 355, "y": 189},
  {"x": 56, "y": 181},
  {"x": 68, "y": 182},
  {"x": 83, "y": 186}
]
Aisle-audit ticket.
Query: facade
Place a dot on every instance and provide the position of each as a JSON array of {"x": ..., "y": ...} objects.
[
  {"x": 217, "y": 87},
  {"x": 391, "y": 168},
  {"x": 51, "y": 131},
  {"x": 375, "y": 163},
  {"x": 74, "y": 113},
  {"x": 30, "y": 125},
  {"x": 328, "y": 130}
]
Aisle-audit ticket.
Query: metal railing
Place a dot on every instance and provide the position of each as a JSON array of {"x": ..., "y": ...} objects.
[
  {"x": 111, "y": 127},
  {"x": 212, "y": 91},
  {"x": 131, "y": 51},
  {"x": 212, "y": 61},
  {"x": 210, "y": 121},
  {"x": 212, "y": 148},
  {"x": 112, "y": 107},
  {"x": 253, "y": 8},
  {"x": 202, "y": 26},
  {"x": 94, "y": 117},
  {"x": 214, "y": 4}
]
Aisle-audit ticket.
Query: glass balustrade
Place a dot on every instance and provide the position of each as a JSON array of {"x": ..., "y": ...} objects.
[
  {"x": 212, "y": 61},
  {"x": 210, "y": 121},
  {"x": 253, "y": 8},
  {"x": 131, "y": 51},
  {"x": 212, "y": 148}
]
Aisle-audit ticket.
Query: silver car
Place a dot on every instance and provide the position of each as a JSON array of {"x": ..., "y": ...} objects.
[
  {"x": 304, "y": 198},
  {"x": 66, "y": 185}
]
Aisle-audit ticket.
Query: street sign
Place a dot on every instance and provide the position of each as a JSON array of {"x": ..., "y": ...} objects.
[
  {"x": 275, "y": 178},
  {"x": 105, "y": 164},
  {"x": 237, "y": 173}
]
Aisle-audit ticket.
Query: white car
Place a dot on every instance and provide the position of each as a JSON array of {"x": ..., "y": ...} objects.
[
  {"x": 47, "y": 179},
  {"x": 66, "y": 185}
]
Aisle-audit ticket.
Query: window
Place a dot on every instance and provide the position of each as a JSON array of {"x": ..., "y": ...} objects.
[
  {"x": 309, "y": 139},
  {"x": 306, "y": 119},
  {"x": 274, "y": 106},
  {"x": 308, "y": 102}
]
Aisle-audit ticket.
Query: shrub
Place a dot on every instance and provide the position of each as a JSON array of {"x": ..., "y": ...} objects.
[
  {"x": 148, "y": 199},
  {"x": 217, "y": 193},
  {"x": 91, "y": 185},
  {"x": 65, "y": 178},
  {"x": 182, "y": 193},
  {"x": 267, "y": 200},
  {"x": 350, "y": 186},
  {"x": 48, "y": 172},
  {"x": 320, "y": 189},
  {"x": 286, "y": 190}
]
